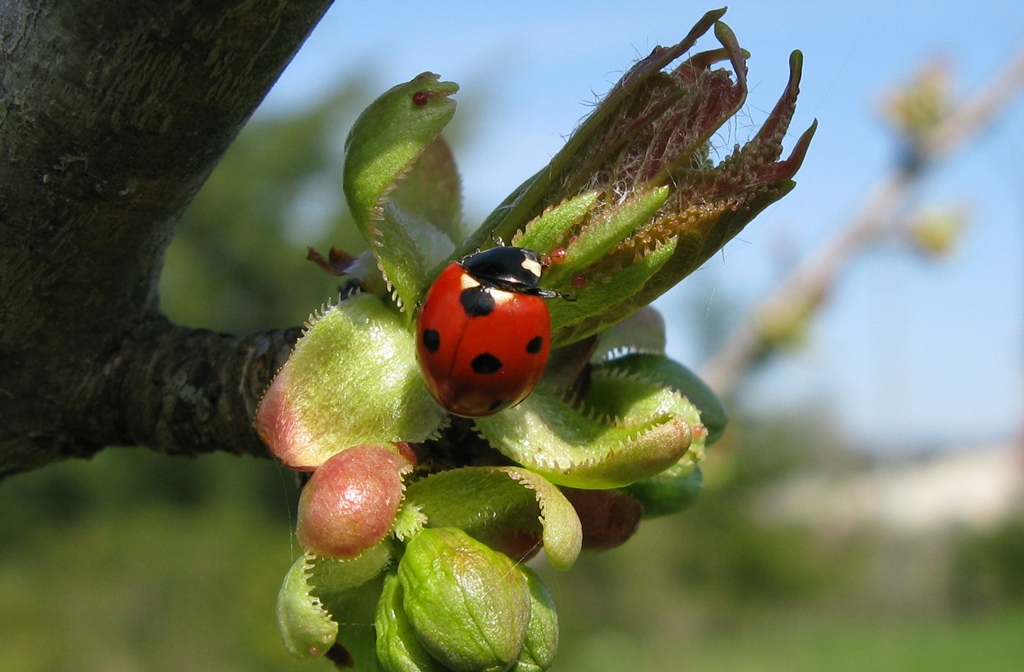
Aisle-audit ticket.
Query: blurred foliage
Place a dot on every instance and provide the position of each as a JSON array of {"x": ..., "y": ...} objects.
[
  {"x": 140, "y": 561},
  {"x": 988, "y": 568},
  {"x": 236, "y": 264}
]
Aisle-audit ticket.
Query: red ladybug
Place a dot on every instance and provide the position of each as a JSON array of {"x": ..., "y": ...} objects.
[{"x": 483, "y": 333}]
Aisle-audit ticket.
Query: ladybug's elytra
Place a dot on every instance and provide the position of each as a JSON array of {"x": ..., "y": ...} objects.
[{"x": 483, "y": 333}]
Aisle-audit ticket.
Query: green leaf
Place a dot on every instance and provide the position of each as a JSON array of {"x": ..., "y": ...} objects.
[
  {"x": 306, "y": 626},
  {"x": 406, "y": 235},
  {"x": 349, "y": 590},
  {"x": 430, "y": 195},
  {"x": 319, "y": 593},
  {"x": 602, "y": 232},
  {"x": 503, "y": 507},
  {"x": 547, "y": 230},
  {"x": 612, "y": 299},
  {"x": 331, "y": 578},
  {"x": 663, "y": 208},
  {"x": 671, "y": 491},
  {"x": 616, "y": 382},
  {"x": 672, "y": 375},
  {"x": 354, "y": 612},
  {"x": 579, "y": 448},
  {"x": 352, "y": 379}
]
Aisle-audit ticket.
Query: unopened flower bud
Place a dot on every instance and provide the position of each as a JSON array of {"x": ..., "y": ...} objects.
[
  {"x": 351, "y": 500},
  {"x": 468, "y": 604}
]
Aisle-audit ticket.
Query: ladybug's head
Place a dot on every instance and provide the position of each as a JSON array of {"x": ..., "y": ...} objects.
[{"x": 512, "y": 269}]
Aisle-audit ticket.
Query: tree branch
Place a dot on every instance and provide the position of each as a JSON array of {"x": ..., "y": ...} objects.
[
  {"x": 112, "y": 115},
  {"x": 184, "y": 390}
]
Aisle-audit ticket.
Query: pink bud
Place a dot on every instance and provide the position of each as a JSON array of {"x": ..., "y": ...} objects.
[{"x": 351, "y": 500}]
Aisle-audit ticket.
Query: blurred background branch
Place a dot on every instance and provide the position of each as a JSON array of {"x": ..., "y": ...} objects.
[{"x": 928, "y": 139}]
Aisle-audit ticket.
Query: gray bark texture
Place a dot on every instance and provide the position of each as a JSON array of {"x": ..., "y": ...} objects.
[{"x": 112, "y": 115}]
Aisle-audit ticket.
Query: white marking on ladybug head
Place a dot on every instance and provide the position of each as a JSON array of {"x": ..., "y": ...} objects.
[
  {"x": 467, "y": 281},
  {"x": 532, "y": 266}
]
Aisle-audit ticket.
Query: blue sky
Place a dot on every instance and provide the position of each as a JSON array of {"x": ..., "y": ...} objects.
[{"x": 907, "y": 350}]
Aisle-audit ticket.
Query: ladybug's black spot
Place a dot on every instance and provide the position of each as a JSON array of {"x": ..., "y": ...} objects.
[
  {"x": 486, "y": 364},
  {"x": 533, "y": 347},
  {"x": 477, "y": 301},
  {"x": 431, "y": 340}
]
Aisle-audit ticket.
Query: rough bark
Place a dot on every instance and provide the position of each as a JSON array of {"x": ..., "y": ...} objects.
[{"x": 112, "y": 115}]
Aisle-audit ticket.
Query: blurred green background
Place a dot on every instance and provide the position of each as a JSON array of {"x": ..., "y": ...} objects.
[{"x": 135, "y": 561}]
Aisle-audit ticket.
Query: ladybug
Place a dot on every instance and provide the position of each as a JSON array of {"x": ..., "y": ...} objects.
[{"x": 483, "y": 333}]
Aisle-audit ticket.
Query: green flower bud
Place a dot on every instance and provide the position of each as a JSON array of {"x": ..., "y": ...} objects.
[
  {"x": 467, "y": 604},
  {"x": 398, "y": 647},
  {"x": 538, "y": 652}
]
